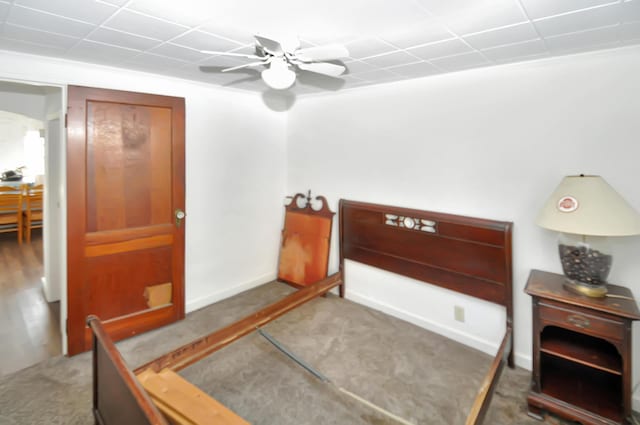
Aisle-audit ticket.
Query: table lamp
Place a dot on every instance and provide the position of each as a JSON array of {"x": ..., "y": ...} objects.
[{"x": 586, "y": 210}]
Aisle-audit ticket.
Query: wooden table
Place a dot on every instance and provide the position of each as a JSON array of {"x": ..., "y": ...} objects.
[{"x": 581, "y": 352}]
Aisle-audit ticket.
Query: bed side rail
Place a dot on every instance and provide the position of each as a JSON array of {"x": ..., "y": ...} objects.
[
  {"x": 483, "y": 399},
  {"x": 118, "y": 397},
  {"x": 195, "y": 350}
]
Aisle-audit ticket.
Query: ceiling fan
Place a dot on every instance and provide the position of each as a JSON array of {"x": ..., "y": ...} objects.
[{"x": 283, "y": 57}]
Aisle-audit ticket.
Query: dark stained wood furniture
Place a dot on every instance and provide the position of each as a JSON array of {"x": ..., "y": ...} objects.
[
  {"x": 304, "y": 253},
  {"x": 581, "y": 352},
  {"x": 467, "y": 255}
]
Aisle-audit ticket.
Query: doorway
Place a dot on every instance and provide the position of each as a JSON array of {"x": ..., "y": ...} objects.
[{"x": 30, "y": 276}]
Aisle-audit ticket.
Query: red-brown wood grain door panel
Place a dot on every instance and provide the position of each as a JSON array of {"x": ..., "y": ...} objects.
[{"x": 125, "y": 184}]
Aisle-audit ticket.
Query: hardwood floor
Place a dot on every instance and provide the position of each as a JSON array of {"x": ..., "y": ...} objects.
[{"x": 29, "y": 326}]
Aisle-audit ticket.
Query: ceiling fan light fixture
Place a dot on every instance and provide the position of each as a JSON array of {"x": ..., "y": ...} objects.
[{"x": 278, "y": 76}]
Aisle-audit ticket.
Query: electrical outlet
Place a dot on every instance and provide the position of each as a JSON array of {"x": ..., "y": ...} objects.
[{"x": 458, "y": 313}]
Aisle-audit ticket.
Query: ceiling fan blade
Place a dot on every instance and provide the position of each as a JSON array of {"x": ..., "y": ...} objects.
[
  {"x": 322, "y": 53},
  {"x": 240, "y": 55},
  {"x": 210, "y": 69},
  {"x": 323, "y": 68},
  {"x": 271, "y": 46},
  {"x": 246, "y": 65}
]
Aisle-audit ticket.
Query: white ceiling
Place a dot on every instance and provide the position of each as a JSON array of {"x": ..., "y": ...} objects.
[{"x": 388, "y": 40}]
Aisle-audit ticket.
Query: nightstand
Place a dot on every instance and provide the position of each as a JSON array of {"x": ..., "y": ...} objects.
[{"x": 581, "y": 352}]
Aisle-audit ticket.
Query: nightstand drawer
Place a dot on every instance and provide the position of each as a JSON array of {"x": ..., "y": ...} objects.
[{"x": 581, "y": 322}]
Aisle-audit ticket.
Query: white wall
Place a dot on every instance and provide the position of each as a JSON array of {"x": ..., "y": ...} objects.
[
  {"x": 235, "y": 172},
  {"x": 30, "y": 102},
  {"x": 13, "y": 128},
  {"x": 490, "y": 142}
]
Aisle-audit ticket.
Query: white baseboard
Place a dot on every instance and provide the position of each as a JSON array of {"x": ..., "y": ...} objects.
[
  {"x": 485, "y": 346},
  {"x": 198, "y": 303}
]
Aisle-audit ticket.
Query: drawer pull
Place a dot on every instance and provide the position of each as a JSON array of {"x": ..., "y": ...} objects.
[{"x": 579, "y": 321}]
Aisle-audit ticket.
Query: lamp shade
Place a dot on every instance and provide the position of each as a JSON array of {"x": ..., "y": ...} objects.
[{"x": 588, "y": 205}]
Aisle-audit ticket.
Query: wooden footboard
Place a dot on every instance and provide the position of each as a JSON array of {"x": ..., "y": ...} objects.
[
  {"x": 481, "y": 403},
  {"x": 118, "y": 397}
]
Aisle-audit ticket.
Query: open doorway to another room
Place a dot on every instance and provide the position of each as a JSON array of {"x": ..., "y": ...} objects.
[{"x": 30, "y": 149}]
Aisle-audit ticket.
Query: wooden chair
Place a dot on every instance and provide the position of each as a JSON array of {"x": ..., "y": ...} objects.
[
  {"x": 11, "y": 211},
  {"x": 32, "y": 213}
]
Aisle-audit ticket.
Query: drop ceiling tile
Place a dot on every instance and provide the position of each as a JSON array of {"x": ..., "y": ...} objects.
[
  {"x": 39, "y": 37},
  {"x": 201, "y": 40},
  {"x": 153, "y": 62},
  {"x": 499, "y": 37},
  {"x": 122, "y": 39},
  {"x": 541, "y": 8},
  {"x": 88, "y": 11},
  {"x": 631, "y": 11},
  {"x": 179, "y": 12},
  {"x": 579, "y": 21},
  {"x": 585, "y": 40},
  {"x": 321, "y": 39},
  {"x": 422, "y": 32},
  {"x": 355, "y": 67},
  {"x": 468, "y": 16},
  {"x": 630, "y": 31},
  {"x": 516, "y": 51},
  {"x": 36, "y": 49},
  {"x": 418, "y": 69},
  {"x": 47, "y": 22},
  {"x": 147, "y": 26},
  {"x": 439, "y": 49},
  {"x": 463, "y": 61},
  {"x": 365, "y": 47},
  {"x": 4, "y": 10},
  {"x": 179, "y": 52},
  {"x": 392, "y": 59},
  {"x": 228, "y": 31},
  {"x": 113, "y": 2},
  {"x": 91, "y": 51}
]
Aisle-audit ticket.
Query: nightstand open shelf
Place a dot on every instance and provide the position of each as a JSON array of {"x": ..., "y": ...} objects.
[
  {"x": 584, "y": 349},
  {"x": 590, "y": 389},
  {"x": 581, "y": 352}
]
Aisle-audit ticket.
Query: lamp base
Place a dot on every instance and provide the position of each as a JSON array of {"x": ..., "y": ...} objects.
[{"x": 581, "y": 288}]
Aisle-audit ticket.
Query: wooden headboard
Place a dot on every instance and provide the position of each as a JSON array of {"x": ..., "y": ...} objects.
[{"x": 464, "y": 254}]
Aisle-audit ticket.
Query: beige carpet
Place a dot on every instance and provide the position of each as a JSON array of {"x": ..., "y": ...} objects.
[{"x": 417, "y": 375}]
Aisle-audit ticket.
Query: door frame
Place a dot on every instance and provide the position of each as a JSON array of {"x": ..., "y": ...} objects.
[{"x": 59, "y": 192}]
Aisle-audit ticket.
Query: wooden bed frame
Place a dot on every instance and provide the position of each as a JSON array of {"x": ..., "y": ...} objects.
[{"x": 464, "y": 254}]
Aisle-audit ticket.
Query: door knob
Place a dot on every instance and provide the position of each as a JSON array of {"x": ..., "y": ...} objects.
[{"x": 180, "y": 215}]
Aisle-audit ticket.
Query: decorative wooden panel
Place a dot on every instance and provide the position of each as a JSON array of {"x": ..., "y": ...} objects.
[
  {"x": 128, "y": 275},
  {"x": 304, "y": 254},
  {"x": 129, "y": 167}
]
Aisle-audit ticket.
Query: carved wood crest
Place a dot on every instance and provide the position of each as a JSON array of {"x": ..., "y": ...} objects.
[{"x": 306, "y": 236}]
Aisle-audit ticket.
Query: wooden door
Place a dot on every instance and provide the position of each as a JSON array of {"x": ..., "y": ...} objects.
[{"x": 125, "y": 189}]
